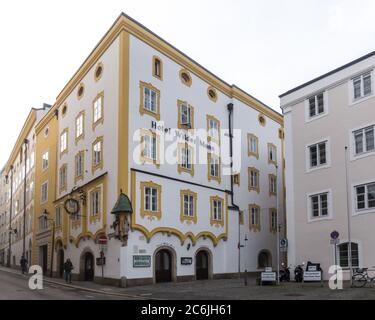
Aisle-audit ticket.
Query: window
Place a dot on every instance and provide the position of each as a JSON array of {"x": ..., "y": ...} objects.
[
  {"x": 213, "y": 167},
  {"x": 252, "y": 145},
  {"x": 79, "y": 165},
  {"x": 95, "y": 205},
  {"x": 150, "y": 199},
  {"x": 188, "y": 206},
  {"x": 58, "y": 218},
  {"x": 316, "y": 105},
  {"x": 273, "y": 220},
  {"x": 97, "y": 154},
  {"x": 43, "y": 223},
  {"x": 343, "y": 255},
  {"x": 45, "y": 160},
  {"x": 254, "y": 180},
  {"x": 64, "y": 110},
  {"x": 98, "y": 110},
  {"x": 185, "y": 115},
  {"x": 318, "y": 154},
  {"x": 254, "y": 214},
  {"x": 44, "y": 192},
  {"x": 272, "y": 185},
  {"x": 185, "y": 158},
  {"x": 319, "y": 205},
  {"x": 149, "y": 100},
  {"x": 364, "y": 140},
  {"x": 362, "y": 86},
  {"x": 272, "y": 154},
  {"x": 185, "y": 77},
  {"x": 365, "y": 197},
  {"x": 80, "y": 126},
  {"x": 64, "y": 142},
  {"x": 150, "y": 143},
  {"x": 98, "y": 71},
  {"x": 213, "y": 128},
  {"x": 63, "y": 173},
  {"x": 262, "y": 120},
  {"x": 212, "y": 95},
  {"x": 157, "y": 68},
  {"x": 80, "y": 91},
  {"x": 236, "y": 179},
  {"x": 217, "y": 205}
]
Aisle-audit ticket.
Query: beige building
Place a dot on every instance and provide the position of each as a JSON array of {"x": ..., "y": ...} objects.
[{"x": 329, "y": 128}]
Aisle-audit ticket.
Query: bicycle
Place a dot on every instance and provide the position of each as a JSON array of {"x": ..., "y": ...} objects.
[{"x": 361, "y": 278}]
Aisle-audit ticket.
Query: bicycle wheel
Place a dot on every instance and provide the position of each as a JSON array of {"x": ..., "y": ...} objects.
[{"x": 359, "y": 280}]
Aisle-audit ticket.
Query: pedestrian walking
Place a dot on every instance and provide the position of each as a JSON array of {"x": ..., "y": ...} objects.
[
  {"x": 23, "y": 263},
  {"x": 68, "y": 267}
]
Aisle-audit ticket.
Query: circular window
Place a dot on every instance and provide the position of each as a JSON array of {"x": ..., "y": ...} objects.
[
  {"x": 98, "y": 71},
  {"x": 80, "y": 91},
  {"x": 212, "y": 94},
  {"x": 185, "y": 77},
  {"x": 262, "y": 120},
  {"x": 64, "y": 109}
]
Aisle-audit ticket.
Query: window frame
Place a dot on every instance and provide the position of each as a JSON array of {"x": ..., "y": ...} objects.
[
  {"x": 180, "y": 149},
  {"x": 271, "y": 146},
  {"x": 353, "y": 154},
  {"x": 215, "y": 221},
  {"x": 150, "y": 213},
  {"x": 327, "y": 141},
  {"x": 63, "y": 178},
  {"x": 42, "y": 200},
  {"x": 367, "y": 209},
  {"x": 94, "y": 218},
  {"x": 82, "y": 134},
  {"x": 257, "y": 225},
  {"x": 100, "y": 120},
  {"x": 188, "y": 218},
  {"x": 347, "y": 250},
  {"x": 142, "y": 108},
  {"x": 250, "y": 186},
  {"x": 272, "y": 192},
  {"x": 273, "y": 220},
  {"x": 250, "y": 153},
  {"x": 362, "y": 97},
  {"x": 44, "y": 168},
  {"x": 329, "y": 216},
  {"x": 190, "y": 108},
  {"x": 97, "y": 166},
  {"x": 210, "y": 156},
  {"x": 155, "y": 137},
  {"x": 154, "y": 70},
  {"x": 65, "y": 132},
  {"x": 77, "y": 177},
  {"x": 308, "y": 117}
]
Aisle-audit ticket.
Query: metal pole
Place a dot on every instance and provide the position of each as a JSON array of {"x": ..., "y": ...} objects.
[
  {"x": 277, "y": 226},
  {"x": 348, "y": 216},
  {"x": 53, "y": 246},
  {"x": 10, "y": 218},
  {"x": 24, "y": 203}
]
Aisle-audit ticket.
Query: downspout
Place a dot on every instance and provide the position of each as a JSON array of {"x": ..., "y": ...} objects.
[{"x": 233, "y": 206}]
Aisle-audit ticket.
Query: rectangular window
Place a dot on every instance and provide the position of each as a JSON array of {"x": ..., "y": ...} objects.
[
  {"x": 151, "y": 199},
  {"x": 157, "y": 68},
  {"x": 188, "y": 205},
  {"x": 97, "y": 153},
  {"x": 63, "y": 177},
  {"x": 185, "y": 158},
  {"x": 252, "y": 145},
  {"x": 272, "y": 153},
  {"x": 95, "y": 203},
  {"x": 150, "y": 100},
  {"x": 45, "y": 160},
  {"x": 272, "y": 184},
  {"x": 213, "y": 128},
  {"x": 254, "y": 179},
  {"x": 273, "y": 220},
  {"x": 364, "y": 140},
  {"x": 44, "y": 192},
  {"x": 217, "y": 210},
  {"x": 98, "y": 109},
  {"x": 362, "y": 86},
  {"x": 254, "y": 214},
  {"x": 316, "y": 105},
  {"x": 79, "y": 164},
  {"x": 343, "y": 253},
  {"x": 150, "y": 147},
  {"x": 58, "y": 217},
  {"x": 236, "y": 179},
  {"x": 185, "y": 115},
  {"x": 64, "y": 141},
  {"x": 214, "y": 166},
  {"x": 318, "y": 154},
  {"x": 79, "y": 126},
  {"x": 319, "y": 205},
  {"x": 365, "y": 196}
]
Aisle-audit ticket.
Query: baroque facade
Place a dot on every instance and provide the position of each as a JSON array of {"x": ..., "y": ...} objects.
[{"x": 141, "y": 123}]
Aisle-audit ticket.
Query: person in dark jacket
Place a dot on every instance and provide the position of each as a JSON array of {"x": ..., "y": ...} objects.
[
  {"x": 68, "y": 267},
  {"x": 23, "y": 263}
]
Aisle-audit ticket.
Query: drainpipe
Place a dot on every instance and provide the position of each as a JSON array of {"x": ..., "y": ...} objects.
[
  {"x": 10, "y": 219},
  {"x": 233, "y": 205}
]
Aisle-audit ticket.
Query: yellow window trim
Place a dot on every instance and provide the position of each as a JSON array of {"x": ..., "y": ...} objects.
[
  {"x": 253, "y": 188},
  {"x": 82, "y": 135},
  {"x": 242, "y": 217},
  {"x": 254, "y": 227},
  {"x": 183, "y": 217},
  {"x": 100, "y": 95},
  {"x": 249, "y": 152},
  {"x": 66, "y": 130},
  {"x": 154, "y": 58},
  {"x": 80, "y": 177},
  {"x": 179, "y": 124},
  {"x": 180, "y": 168},
  {"x": 260, "y": 118},
  {"x": 214, "y": 222},
  {"x": 209, "y": 177},
  {"x": 142, "y": 109},
  {"x": 209, "y": 138},
  {"x": 271, "y": 211},
  {"x": 269, "y": 146},
  {"x": 98, "y": 166},
  {"x": 99, "y": 65},
  {"x": 281, "y": 133},
  {"x": 142, "y": 158},
  {"x": 186, "y": 83},
  {"x": 237, "y": 178},
  {"x": 63, "y": 188},
  {"x": 96, "y": 218},
  {"x": 270, "y": 192},
  {"x": 65, "y": 105},
  {"x": 210, "y": 88},
  {"x": 146, "y": 213},
  {"x": 81, "y": 85}
]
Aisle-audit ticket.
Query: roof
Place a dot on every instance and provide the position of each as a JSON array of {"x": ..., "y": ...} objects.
[{"x": 369, "y": 55}]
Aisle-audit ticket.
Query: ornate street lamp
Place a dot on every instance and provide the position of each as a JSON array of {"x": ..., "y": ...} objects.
[{"x": 123, "y": 210}]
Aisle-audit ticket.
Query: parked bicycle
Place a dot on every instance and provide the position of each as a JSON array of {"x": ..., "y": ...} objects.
[{"x": 361, "y": 278}]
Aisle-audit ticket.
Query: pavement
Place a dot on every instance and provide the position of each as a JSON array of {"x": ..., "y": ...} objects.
[{"x": 14, "y": 285}]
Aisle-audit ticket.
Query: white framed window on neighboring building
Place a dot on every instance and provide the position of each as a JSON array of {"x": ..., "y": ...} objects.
[
  {"x": 317, "y": 155},
  {"x": 58, "y": 217},
  {"x": 44, "y": 192},
  {"x": 343, "y": 254},
  {"x": 316, "y": 106},
  {"x": 319, "y": 205},
  {"x": 364, "y": 140},
  {"x": 365, "y": 197},
  {"x": 362, "y": 86},
  {"x": 45, "y": 160}
]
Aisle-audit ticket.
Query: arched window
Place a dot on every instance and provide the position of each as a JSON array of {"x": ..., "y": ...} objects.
[
  {"x": 343, "y": 255},
  {"x": 264, "y": 259}
]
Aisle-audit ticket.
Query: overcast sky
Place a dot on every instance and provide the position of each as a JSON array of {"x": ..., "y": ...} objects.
[{"x": 265, "y": 47}]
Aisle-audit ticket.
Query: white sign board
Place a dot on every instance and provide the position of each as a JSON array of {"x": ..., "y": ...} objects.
[
  {"x": 312, "y": 276},
  {"x": 268, "y": 269},
  {"x": 312, "y": 268},
  {"x": 268, "y": 277}
]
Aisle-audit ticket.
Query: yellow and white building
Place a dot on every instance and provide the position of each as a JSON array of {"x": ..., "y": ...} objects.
[{"x": 131, "y": 121}]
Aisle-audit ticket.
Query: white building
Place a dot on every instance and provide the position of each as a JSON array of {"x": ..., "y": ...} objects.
[
  {"x": 322, "y": 118},
  {"x": 111, "y": 131}
]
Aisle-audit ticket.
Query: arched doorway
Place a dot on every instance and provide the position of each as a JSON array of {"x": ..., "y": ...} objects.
[
  {"x": 202, "y": 265},
  {"x": 88, "y": 266},
  {"x": 264, "y": 259},
  {"x": 163, "y": 266},
  {"x": 60, "y": 262}
]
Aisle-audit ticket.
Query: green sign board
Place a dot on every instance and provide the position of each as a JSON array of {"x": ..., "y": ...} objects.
[{"x": 141, "y": 261}]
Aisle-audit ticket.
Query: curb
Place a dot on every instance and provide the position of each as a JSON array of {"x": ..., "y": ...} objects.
[{"x": 85, "y": 289}]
